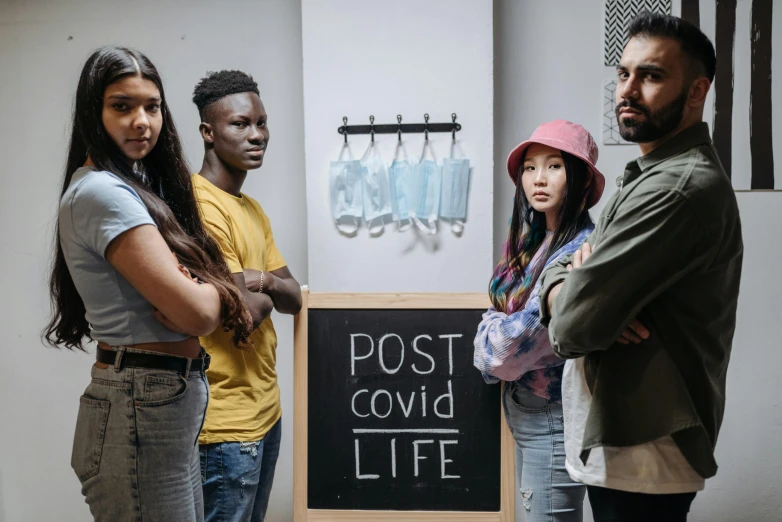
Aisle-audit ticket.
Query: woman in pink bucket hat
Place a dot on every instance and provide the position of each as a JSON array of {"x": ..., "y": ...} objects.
[{"x": 556, "y": 185}]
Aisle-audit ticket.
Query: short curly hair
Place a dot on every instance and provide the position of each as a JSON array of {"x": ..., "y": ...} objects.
[{"x": 217, "y": 85}]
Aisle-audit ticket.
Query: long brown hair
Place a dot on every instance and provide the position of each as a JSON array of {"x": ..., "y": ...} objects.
[
  {"x": 168, "y": 196},
  {"x": 512, "y": 281}
]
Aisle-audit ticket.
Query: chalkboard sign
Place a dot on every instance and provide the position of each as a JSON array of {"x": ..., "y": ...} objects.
[{"x": 392, "y": 421}]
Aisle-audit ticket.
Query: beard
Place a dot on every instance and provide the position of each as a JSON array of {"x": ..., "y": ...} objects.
[{"x": 656, "y": 125}]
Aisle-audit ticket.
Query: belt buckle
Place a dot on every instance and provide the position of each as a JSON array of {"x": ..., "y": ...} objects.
[{"x": 206, "y": 359}]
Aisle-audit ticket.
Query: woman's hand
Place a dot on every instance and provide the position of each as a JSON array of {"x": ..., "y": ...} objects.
[{"x": 182, "y": 268}]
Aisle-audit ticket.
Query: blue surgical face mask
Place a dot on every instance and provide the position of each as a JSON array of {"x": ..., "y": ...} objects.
[
  {"x": 347, "y": 196},
  {"x": 377, "y": 193},
  {"x": 454, "y": 192},
  {"x": 425, "y": 194},
  {"x": 400, "y": 175}
]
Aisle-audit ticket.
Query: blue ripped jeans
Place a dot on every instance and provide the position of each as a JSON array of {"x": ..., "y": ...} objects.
[
  {"x": 547, "y": 492},
  {"x": 237, "y": 477}
]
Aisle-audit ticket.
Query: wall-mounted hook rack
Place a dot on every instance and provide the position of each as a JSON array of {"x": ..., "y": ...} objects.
[{"x": 399, "y": 128}]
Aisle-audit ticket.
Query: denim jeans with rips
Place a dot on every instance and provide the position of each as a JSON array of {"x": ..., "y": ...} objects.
[
  {"x": 237, "y": 477},
  {"x": 548, "y": 494}
]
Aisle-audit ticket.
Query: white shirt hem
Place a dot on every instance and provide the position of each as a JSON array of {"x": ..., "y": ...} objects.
[{"x": 670, "y": 488}]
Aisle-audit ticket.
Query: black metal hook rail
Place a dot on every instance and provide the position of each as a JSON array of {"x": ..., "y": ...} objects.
[{"x": 399, "y": 128}]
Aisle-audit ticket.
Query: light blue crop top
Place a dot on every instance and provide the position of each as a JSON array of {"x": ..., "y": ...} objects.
[{"x": 97, "y": 207}]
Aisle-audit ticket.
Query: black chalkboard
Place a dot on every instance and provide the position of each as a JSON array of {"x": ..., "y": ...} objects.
[{"x": 432, "y": 441}]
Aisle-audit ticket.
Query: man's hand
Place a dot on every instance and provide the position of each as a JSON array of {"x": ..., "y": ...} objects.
[
  {"x": 253, "y": 280},
  {"x": 279, "y": 285},
  {"x": 635, "y": 333},
  {"x": 580, "y": 256}
]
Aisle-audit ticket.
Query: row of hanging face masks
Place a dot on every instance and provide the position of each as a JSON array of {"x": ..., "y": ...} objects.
[{"x": 411, "y": 192}]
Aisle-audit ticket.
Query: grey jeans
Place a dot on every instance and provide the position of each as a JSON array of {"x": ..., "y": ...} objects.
[{"x": 135, "y": 449}]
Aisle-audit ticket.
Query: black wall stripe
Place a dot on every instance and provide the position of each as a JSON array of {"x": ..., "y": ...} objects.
[
  {"x": 723, "y": 82},
  {"x": 761, "y": 144},
  {"x": 691, "y": 12}
]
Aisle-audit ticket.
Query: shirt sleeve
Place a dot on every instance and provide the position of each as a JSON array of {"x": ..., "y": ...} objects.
[
  {"x": 102, "y": 207},
  {"x": 274, "y": 259},
  {"x": 219, "y": 228},
  {"x": 554, "y": 274},
  {"x": 508, "y": 346},
  {"x": 644, "y": 250}
]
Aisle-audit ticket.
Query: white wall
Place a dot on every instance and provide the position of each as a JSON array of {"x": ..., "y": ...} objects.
[
  {"x": 40, "y": 66},
  {"x": 387, "y": 58},
  {"x": 549, "y": 64},
  {"x": 747, "y": 486}
]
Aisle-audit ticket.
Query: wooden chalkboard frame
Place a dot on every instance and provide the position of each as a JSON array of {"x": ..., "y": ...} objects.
[{"x": 301, "y": 513}]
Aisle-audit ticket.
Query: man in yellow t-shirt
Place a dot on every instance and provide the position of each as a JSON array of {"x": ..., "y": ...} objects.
[{"x": 240, "y": 440}]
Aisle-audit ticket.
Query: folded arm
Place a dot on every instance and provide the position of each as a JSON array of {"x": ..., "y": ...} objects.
[
  {"x": 508, "y": 346},
  {"x": 142, "y": 256},
  {"x": 279, "y": 285},
  {"x": 645, "y": 250}
]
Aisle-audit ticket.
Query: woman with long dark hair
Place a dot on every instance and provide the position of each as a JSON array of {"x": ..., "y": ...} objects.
[
  {"x": 556, "y": 184},
  {"x": 127, "y": 204}
]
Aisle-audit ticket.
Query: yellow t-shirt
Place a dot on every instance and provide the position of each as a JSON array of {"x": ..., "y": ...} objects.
[{"x": 244, "y": 400}]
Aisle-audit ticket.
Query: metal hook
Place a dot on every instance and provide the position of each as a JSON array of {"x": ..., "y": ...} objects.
[
  {"x": 453, "y": 130},
  {"x": 372, "y": 127},
  {"x": 399, "y": 127},
  {"x": 426, "y": 127},
  {"x": 345, "y": 128}
]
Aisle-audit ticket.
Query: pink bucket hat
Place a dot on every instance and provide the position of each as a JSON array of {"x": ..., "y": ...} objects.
[{"x": 571, "y": 138}]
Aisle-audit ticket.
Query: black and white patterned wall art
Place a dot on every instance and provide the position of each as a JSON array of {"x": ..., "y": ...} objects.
[
  {"x": 618, "y": 14},
  {"x": 610, "y": 125}
]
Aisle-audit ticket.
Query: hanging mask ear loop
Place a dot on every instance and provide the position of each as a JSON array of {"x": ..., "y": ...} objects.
[
  {"x": 374, "y": 226},
  {"x": 345, "y": 147},
  {"x": 349, "y": 229},
  {"x": 457, "y": 225},
  {"x": 430, "y": 228},
  {"x": 400, "y": 146}
]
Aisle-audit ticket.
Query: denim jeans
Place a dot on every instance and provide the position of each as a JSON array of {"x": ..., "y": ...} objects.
[
  {"x": 547, "y": 492},
  {"x": 135, "y": 449},
  {"x": 237, "y": 477}
]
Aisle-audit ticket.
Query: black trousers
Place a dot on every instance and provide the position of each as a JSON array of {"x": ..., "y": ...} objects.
[{"x": 611, "y": 505}]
